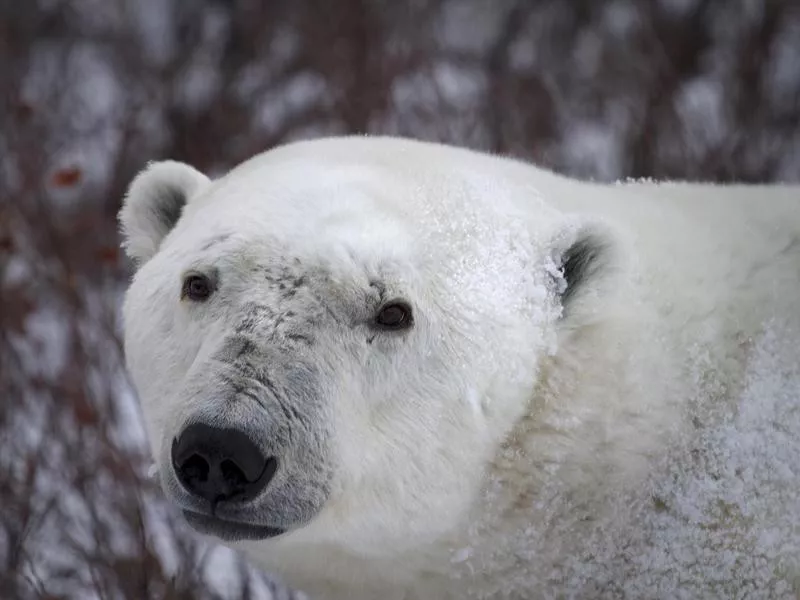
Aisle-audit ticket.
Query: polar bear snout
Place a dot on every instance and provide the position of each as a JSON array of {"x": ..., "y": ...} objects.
[
  {"x": 220, "y": 465},
  {"x": 250, "y": 457}
]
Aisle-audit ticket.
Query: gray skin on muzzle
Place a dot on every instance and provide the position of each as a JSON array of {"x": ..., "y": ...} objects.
[{"x": 262, "y": 383}]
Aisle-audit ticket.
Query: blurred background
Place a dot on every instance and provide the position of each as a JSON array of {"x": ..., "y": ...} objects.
[{"x": 91, "y": 90}]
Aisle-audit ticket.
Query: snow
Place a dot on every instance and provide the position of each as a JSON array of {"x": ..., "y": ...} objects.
[
  {"x": 592, "y": 148},
  {"x": 780, "y": 74},
  {"x": 720, "y": 514},
  {"x": 700, "y": 104},
  {"x": 727, "y": 507}
]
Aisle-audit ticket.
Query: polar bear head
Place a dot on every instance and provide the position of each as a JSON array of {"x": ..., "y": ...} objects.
[{"x": 331, "y": 341}]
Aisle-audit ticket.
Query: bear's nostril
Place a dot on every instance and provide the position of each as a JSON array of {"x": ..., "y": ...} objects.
[
  {"x": 195, "y": 468},
  {"x": 234, "y": 477}
]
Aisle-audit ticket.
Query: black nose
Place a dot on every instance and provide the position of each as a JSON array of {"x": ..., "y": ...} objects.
[{"x": 220, "y": 464}]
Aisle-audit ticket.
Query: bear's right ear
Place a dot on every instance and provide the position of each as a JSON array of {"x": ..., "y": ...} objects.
[{"x": 154, "y": 203}]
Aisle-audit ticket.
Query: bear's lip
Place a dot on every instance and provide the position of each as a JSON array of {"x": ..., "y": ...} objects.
[{"x": 229, "y": 531}]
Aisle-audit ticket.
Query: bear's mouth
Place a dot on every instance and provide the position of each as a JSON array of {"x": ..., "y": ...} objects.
[{"x": 229, "y": 531}]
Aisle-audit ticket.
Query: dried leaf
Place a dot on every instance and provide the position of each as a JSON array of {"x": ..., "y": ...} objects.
[
  {"x": 108, "y": 255},
  {"x": 24, "y": 110},
  {"x": 83, "y": 411},
  {"x": 67, "y": 177}
]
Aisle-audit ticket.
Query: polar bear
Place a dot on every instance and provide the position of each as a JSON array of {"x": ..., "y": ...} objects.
[{"x": 394, "y": 369}]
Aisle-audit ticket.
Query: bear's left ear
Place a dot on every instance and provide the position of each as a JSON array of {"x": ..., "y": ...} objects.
[
  {"x": 154, "y": 204},
  {"x": 587, "y": 261}
]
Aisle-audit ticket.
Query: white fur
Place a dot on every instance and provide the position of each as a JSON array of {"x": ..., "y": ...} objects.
[{"x": 506, "y": 450}]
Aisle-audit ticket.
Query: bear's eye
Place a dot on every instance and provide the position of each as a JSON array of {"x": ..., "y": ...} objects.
[
  {"x": 197, "y": 287},
  {"x": 395, "y": 315}
]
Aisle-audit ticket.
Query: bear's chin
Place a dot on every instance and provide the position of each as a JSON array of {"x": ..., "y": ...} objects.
[{"x": 229, "y": 531}]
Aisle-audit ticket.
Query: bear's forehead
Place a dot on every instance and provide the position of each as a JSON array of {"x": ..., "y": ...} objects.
[
  {"x": 361, "y": 219},
  {"x": 315, "y": 200},
  {"x": 305, "y": 218}
]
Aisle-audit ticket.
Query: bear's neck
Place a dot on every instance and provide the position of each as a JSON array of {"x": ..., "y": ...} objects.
[{"x": 578, "y": 449}]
